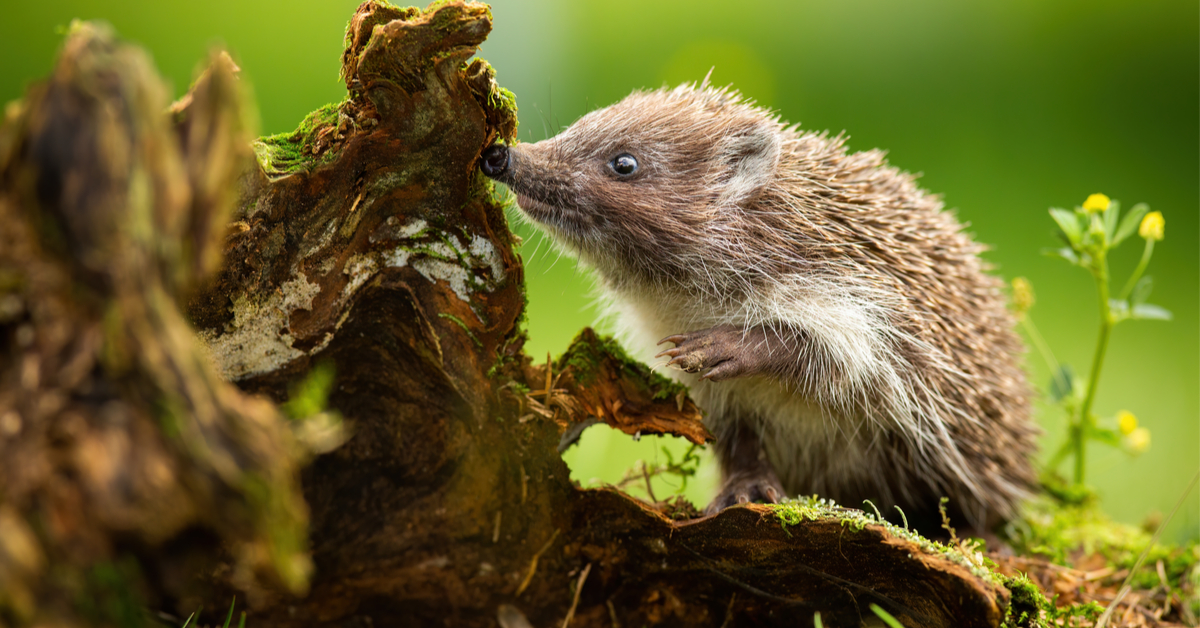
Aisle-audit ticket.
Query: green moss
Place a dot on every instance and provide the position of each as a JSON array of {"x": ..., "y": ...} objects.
[
  {"x": 442, "y": 21},
  {"x": 1059, "y": 531},
  {"x": 1028, "y": 607},
  {"x": 812, "y": 508},
  {"x": 503, "y": 98},
  {"x": 504, "y": 103},
  {"x": 287, "y": 153},
  {"x": 310, "y": 396},
  {"x": 1025, "y": 604},
  {"x": 795, "y": 511},
  {"x": 384, "y": 13},
  {"x": 457, "y": 321},
  {"x": 499, "y": 104},
  {"x": 585, "y": 357}
]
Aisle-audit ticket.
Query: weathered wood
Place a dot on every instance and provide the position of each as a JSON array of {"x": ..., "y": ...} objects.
[
  {"x": 594, "y": 381},
  {"x": 119, "y": 439}
]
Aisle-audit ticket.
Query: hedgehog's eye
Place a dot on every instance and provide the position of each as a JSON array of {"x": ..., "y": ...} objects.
[{"x": 624, "y": 164}]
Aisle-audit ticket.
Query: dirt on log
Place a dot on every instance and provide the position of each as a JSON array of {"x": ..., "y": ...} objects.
[{"x": 366, "y": 245}]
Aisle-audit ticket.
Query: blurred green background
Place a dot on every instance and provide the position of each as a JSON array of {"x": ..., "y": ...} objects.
[{"x": 1007, "y": 107}]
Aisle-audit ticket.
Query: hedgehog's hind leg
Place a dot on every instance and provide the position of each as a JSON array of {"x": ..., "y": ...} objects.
[{"x": 746, "y": 475}]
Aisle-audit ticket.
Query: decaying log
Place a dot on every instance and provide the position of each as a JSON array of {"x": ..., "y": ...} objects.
[
  {"x": 124, "y": 455},
  {"x": 367, "y": 243}
]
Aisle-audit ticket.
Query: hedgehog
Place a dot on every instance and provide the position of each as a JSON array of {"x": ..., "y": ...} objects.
[{"x": 833, "y": 321}]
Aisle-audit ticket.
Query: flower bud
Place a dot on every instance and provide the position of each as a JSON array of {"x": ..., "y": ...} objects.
[
  {"x": 1022, "y": 295},
  {"x": 1126, "y": 422},
  {"x": 1096, "y": 203},
  {"x": 1152, "y": 226}
]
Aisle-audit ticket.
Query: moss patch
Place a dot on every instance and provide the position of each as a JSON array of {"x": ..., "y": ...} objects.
[
  {"x": 499, "y": 104},
  {"x": 586, "y": 356},
  {"x": 303, "y": 149},
  {"x": 1026, "y": 604},
  {"x": 1078, "y": 534},
  {"x": 1064, "y": 533},
  {"x": 795, "y": 511},
  {"x": 1030, "y": 608}
]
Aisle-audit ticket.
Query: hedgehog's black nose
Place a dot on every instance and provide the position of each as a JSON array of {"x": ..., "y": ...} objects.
[{"x": 494, "y": 160}]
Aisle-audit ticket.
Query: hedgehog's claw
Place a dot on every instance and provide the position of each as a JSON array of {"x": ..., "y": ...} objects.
[
  {"x": 715, "y": 349},
  {"x": 676, "y": 338},
  {"x": 757, "y": 485},
  {"x": 691, "y": 352},
  {"x": 726, "y": 369},
  {"x": 688, "y": 362}
]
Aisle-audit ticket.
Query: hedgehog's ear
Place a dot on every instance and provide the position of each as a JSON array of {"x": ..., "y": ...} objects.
[{"x": 751, "y": 158}]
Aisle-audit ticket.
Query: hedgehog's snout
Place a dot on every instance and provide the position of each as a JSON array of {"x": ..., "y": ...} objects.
[{"x": 494, "y": 161}]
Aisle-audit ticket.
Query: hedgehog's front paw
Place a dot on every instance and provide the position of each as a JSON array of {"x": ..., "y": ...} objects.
[
  {"x": 759, "y": 484},
  {"x": 716, "y": 351}
]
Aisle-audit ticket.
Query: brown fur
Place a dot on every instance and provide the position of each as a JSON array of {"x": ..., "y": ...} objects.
[{"x": 844, "y": 284}]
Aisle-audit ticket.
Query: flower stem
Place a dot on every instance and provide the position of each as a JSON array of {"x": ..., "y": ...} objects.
[
  {"x": 1040, "y": 344},
  {"x": 1080, "y": 430},
  {"x": 1137, "y": 272}
]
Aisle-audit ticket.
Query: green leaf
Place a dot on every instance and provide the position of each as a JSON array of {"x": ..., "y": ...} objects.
[
  {"x": 1131, "y": 222},
  {"x": 1064, "y": 253},
  {"x": 229, "y": 618},
  {"x": 1105, "y": 435},
  {"x": 1110, "y": 219},
  {"x": 817, "y": 623},
  {"x": 1145, "y": 311},
  {"x": 1141, "y": 291},
  {"x": 1062, "y": 384},
  {"x": 1069, "y": 223}
]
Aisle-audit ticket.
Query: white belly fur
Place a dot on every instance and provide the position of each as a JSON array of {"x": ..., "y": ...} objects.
[{"x": 812, "y": 450}]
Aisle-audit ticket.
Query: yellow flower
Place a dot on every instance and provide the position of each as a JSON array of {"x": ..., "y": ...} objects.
[
  {"x": 1152, "y": 226},
  {"x": 1022, "y": 295},
  {"x": 1096, "y": 203},
  {"x": 1126, "y": 422},
  {"x": 1138, "y": 440}
]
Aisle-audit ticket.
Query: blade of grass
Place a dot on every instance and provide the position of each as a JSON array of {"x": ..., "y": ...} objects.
[
  {"x": 229, "y": 617},
  {"x": 887, "y": 618}
]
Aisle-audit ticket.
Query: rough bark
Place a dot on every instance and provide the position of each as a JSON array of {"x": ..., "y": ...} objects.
[
  {"x": 365, "y": 241},
  {"x": 124, "y": 455}
]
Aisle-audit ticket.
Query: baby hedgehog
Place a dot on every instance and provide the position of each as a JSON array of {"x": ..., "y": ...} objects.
[{"x": 834, "y": 324}]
